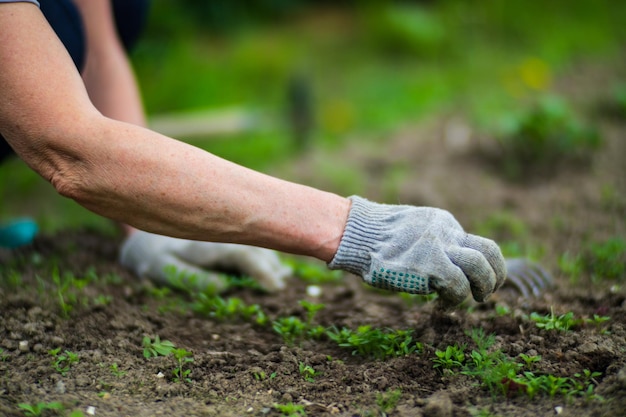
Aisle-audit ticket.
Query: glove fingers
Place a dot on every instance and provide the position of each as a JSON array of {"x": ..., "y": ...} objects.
[
  {"x": 186, "y": 276},
  {"x": 491, "y": 252},
  {"x": 268, "y": 270},
  {"x": 450, "y": 283},
  {"x": 263, "y": 265},
  {"x": 482, "y": 279}
]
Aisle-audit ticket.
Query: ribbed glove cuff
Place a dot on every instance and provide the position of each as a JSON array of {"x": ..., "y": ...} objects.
[{"x": 361, "y": 237}]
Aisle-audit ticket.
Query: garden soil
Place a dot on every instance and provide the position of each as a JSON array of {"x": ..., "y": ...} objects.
[{"x": 241, "y": 368}]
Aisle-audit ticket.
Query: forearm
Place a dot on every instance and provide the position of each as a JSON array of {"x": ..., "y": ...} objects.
[{"x": 196, "y": 195}]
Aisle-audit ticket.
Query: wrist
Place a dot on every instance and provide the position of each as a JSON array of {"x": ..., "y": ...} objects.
[{"x": 360, "y": 238}]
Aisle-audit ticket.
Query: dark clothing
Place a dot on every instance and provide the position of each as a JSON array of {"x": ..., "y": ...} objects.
[{"x": 63, "y": 16}]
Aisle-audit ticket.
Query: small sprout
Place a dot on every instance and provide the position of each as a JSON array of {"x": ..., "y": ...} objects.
[
  {"x": 387, "y": 401},
  {"x": 290, "y": 328},
  {"x": 529, "y": 360},
  {"x": 563, "y": 322},
  {"x": 290, "y": 409},
  {"x": 308, "y": 372},
  {"x": 38, "y": 409},
  {"x": 182, "y": 357},
  {"x": 157, "y": 347},
  {"x": 452, "y": 357},
  {"x": 116, "y": 371},
  {"x": 376, "y": 343},
  {"x": 64, "y": 361}
]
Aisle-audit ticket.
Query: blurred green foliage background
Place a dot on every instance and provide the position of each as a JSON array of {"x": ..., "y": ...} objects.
[{"x": 369, "y": 67}]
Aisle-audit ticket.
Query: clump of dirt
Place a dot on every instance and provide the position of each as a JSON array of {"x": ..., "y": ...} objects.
[{"x": 242, "y": 367}]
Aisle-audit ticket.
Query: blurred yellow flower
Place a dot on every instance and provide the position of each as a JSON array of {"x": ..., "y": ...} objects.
[{"x": 535, "y": 74}]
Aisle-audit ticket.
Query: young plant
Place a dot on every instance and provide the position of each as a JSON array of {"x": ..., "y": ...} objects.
[
  {"x": 387, "y": 401},
  {"x": 308, "y": 372},
  {"x": 182, "y": 358},
  {"x": 36, "y": 410},
  {"x": 115, "y": 370},
  {"x": 157, "y": 347},
  {"x": 539, "y": 139},
  {"x": 290, "y": 410},
  {"x": 451, "y": 358},
  {"x": 290, "y": 328},
  {"x": 551, "y": 321},
  {"x": 62, "y": 362},
  {"x": 227, "y": 309},
  {"x": 375, "y": 343}
]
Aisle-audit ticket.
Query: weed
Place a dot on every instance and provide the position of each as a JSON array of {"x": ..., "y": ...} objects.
[
  {"x": 606, "y": 260},
  {"x": 452, "y": 357},
  {"x": 308, "y": 372},
  {"x": 290, "y": 328},
  {"x": 4, "y": 356},
  {"x": 36, "y": 410},
  {"x": 157, "y": 347},
  {"x": 387, "y": 401},
  {"x": 290, "y": 409},
  {"x": 115, "y": 370},
  {"x": 598, "y": 321},
  {"x": 539, "y": 139},
  {"x": 230, "y": 308},
  {"x": 529, "y": 360},
  {"x": 260, "y": 376},
  {"x": 64, "y": 361},
  {"x": 67, "y": 290},
  {"x": 376, "y": 343},
  {"x": 602, "y": 260},
  {"x": 551, "y": 321},
  {"x": 102, "y": 300},
  {"x": 312, "y": 331},
  {"x": 182, "y": 357}
]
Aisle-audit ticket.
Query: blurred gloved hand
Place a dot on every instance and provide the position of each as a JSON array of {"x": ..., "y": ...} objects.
[
  {"x": 195, "y": 263},
  {"x": 418, "y": 250}
]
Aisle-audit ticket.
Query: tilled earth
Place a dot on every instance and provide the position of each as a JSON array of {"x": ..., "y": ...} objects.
[{"x": 241, "y": 368}]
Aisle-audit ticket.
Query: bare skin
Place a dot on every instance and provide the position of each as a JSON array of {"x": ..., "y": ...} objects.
[{"x": 136, "y": 176}]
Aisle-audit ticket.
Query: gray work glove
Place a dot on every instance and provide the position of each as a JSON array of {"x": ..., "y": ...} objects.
[
  {"x": 418, "y": 250},
  {"x": 153, "y": 256}
]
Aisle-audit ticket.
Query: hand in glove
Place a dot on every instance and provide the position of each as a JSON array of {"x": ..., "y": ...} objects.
[
  {"x": 149, "y": 255},
  {"x": 418, "y": 250}
]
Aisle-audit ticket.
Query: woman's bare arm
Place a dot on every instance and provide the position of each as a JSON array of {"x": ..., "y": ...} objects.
[{"x": 133, "y": 175}]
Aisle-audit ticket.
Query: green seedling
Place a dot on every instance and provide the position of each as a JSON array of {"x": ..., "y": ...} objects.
[
  {"x": 62, "y": 362},
  {"x": 551, "y": 321},
  {"x": 387, "y": 401},
  {"x": 38, "y": 409},
  {"x": 375, "y": 343},
  {"x": 602, "y": 260},
  {"x": 157, "y": 347},
  {"x": 115, "y": 370},
  {"x": 308, "y": 372},
  {"x": 290, "y": 328},
  {"x": 539, "y": 139},
  {"x": 290, "y": 409},
  {"x": 182, "y": 357},
  {"x": 312, "y": 331},
  {"x": 4, "y": 356},
  {"x": 450, "y": 358},
  {"x": 529, "y": 360},
  {"x": 232, "y": 308},
  {"x": 68, "y": 288},
  {"x": 260, "y": 376}
]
